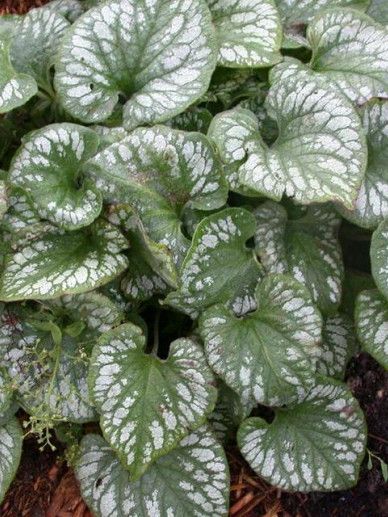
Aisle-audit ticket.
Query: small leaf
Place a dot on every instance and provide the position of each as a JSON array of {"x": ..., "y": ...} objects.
[
  {"x": 319, "y": 154},
  {"x": 249, "y": 32},
  {"x": 370, "y": 462},
  {"x": 268, "y": 355},
  {"x": 71, "y": 263},
  {"x": 218, "y": 266},
  {"x": 158, "y": 55},
  {"x": 306, "y": 247},
  {"x": 193, "y": 119},
  {"x": 316, "y": 445},
  {"x": 371, "y": 316},
  {"x": 191, "y": 480},
  {"x": 384, "y": 470},
  {"x": 148, "y": 405},
  {"x": 11, "y": 438},
  {"x": 379, "y": 257},
  {"x": 47, "y": 166}
]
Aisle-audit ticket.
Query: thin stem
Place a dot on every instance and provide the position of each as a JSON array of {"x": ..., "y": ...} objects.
[{"x": 156, "y": 333}]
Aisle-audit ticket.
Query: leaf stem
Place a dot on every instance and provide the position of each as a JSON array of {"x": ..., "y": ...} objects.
[{"x": 156, "y": 334}]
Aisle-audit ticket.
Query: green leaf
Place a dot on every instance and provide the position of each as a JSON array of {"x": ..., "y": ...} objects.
[
  {"x": 218, "y": 266},
  {"x": 371, "y": 205},
  {"x": 268, "y": 355},
  {"x": 148, "y": 405},
  {"x": 35, "y": 43},
  {"x": 379, "y": 257},
  {"x": 11, "y": 438},
  {"x": 15, "y": 89},
  {"x": 295, "y": 12},
  {"x": 191, "y": 480},
  {"x": 249, "y": 32},
  {"x": 193, "y": 119},
  {"x": 316, "y": 445},
  {"x": 360, "y": 72},
  {"x": 158, "y": 171},
  {"x": 371, "y": 316},
  {"x": 307, "y": 248},
  {"x": 69, "y": 9},
  {"x": 354, "y": 283},
  {"x": 378, "y": 9},
  {"x": 3, "y": 199},
  {"x": 48, "y": 167},
  {"x": 319, "y": 154},
  {"x": 158, "y": 55},
  {"x": 338, "y": 346},
  {"x": 57, "y": 264},
  {"x": 6, "y": 391}
]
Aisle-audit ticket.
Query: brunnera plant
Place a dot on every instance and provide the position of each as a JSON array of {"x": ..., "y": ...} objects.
[{"x": 174, "y": 176}]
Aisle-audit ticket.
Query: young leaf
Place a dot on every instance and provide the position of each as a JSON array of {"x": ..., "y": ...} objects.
[
  {"x": 11, "y": 438},
  {"x": 148, "y": 405},
  {"x": 158, "y": 171},
  {"x": 218, "y": 267},
  {"x": 158, "y": 55},
  {"x": 268, "y": 355},
  {"x": 360, "y": 72},
  {"x": 70, "y": 263},
  {"x": 47, "y": 166},
  {"x": 192, "y": 480},
  {"x": 249, "y": 32},
  {"x": 316, "y": 445},
  {"x": 307, "y": 248},
  {"x": 338, "y": 346},
  {"x": 193, "y": 119},
  {"x": 319, "y": 154},
  {"x": 371, "y": 205},
  {"x": 371, "y": 316},
  {"x": 379, "y": 257}
]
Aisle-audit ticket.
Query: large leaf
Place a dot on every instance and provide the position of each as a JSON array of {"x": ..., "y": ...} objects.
[
  {"x": 47, "y": 166},
  {"x": 35, "y": 43},
  {"x": 15, "y": 89},
  {"x": 249, "y": 32},
  {"x": 371, "y": 205},
  {"x": 218, "y": 266},
  {"x": 371, "y": 315},
  {"x": 148, "y": 405},
  {"x": 70, "y": 9},
  {"x": 192, "y": 480},
  {"x": 378, "y": 9},
  {"x": 319, "y": 154},
  {"x": 158, "y": 55},
  {"x": 158, "y": 171},
  {"x": 306, "y": 247},
  {"x": 58, "y": 264},
  {"x": 270, "y": 354},
  {"x": 350, "y": 53},
  {"x": 379, "y": 257},
  {"x": 11, "y": 438},
  {"x": 316, "y": 445}
]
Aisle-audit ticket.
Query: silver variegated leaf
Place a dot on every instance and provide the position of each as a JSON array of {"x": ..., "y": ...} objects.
[
  {"x": 11, "y": 438},
  {"x": 48, "y": 167},
  {"x": 249, "y": 32},
  {"x": 58, "y": 264},
  {"x": 378, "y": 10},
  {"x": 70, "y": 9},
  {"x": 319, "y": 154},
  {"x": 371, "y": 315},
  {"x": 192, "y": 480},
  {"x": 218, "y": 266},
  {"x": 268, "y": 355},
  {"x": 158, "y": 55},
  {"x": 3, "y": 199},
  {"x": 307, "y": 248},
  {"x": 371, "y": 205},
  {"x": 379, "y": 257},
  {"x": 148, "y": 405},
  {"x": 193, "y": 119},
  {"x": 316, "y": 445}
]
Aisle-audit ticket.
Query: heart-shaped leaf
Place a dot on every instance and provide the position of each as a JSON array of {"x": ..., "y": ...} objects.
[
  {"x": 218, "y": 266},
  {"x": 158, "y": 171},
  {"x": 270, "y": 354},
  {"x": 47, "y": 166},
  {"x": 158, "y": 55},
  {"x": 379, "y": 257},
  {"x": 378, "y": 9},
  {"x": 11, "y": 439},
  {"x": 57, "y": 264},
  {"x": 338, "y": 346},
  {"x": 148, "y": 405},
  {"x": 371, "y": 205},
  {"x": 249, "y": 32},
  {"x": 306, "y": 247},
  {"x": 316, "y": 445},
  {"x": 319, "y": 154},
  {"x": 192, "y": 480},
  {"x": 371, "y": 315}
]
